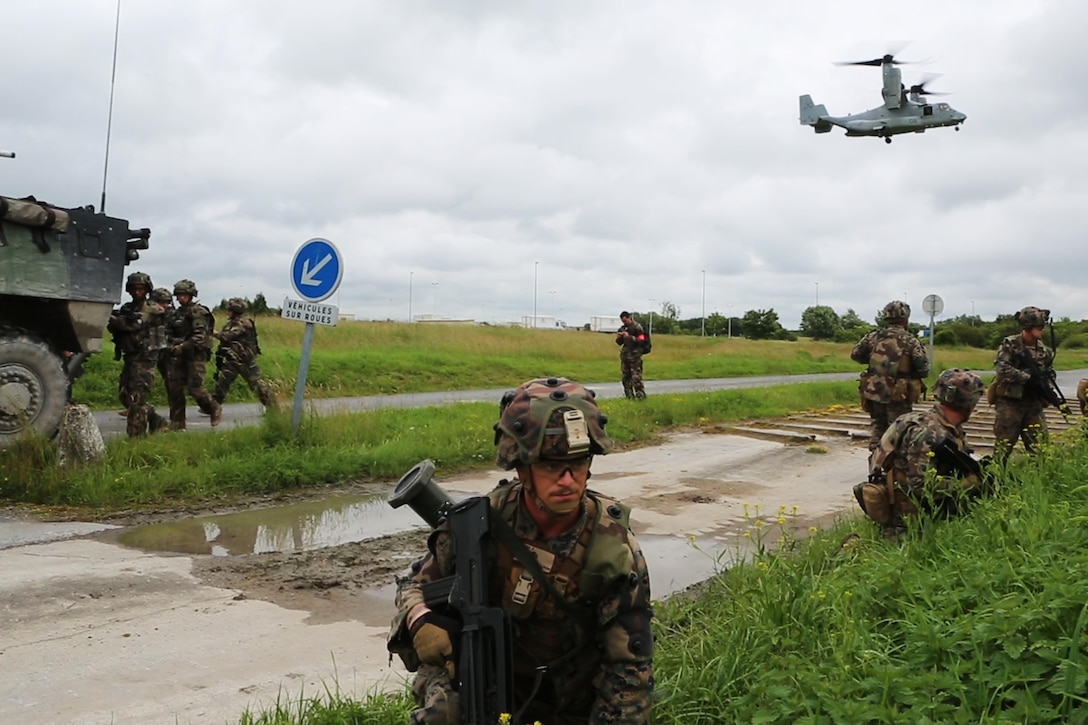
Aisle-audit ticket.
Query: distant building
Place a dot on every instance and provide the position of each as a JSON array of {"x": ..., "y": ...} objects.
[
  {"x": 605, "y": 323},
  {"x": 439, "y": 320}
]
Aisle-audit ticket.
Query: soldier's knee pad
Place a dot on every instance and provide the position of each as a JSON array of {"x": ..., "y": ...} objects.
[{"x": 873, "y": 499}]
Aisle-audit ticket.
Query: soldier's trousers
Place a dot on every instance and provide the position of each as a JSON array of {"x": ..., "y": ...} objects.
[
  {"x": 438, "y": 702},
  {"x": 185, "y": 374},
  {"x": 137, "y": 378},
  {"x": 1017, "y": 419},
  {"x": 881, "y": 416},
  {"x": 631, "y": 372},
  {"x": 231, "y": 367}
]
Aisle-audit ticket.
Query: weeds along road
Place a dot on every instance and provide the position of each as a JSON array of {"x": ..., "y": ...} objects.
[{"x": 235, "y": 414}]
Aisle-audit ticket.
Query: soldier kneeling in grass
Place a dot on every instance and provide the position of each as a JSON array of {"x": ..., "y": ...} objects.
[{"x": 923, "y": 463}]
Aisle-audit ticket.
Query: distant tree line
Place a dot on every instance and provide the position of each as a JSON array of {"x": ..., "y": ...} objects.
[
  {"x": 257, "y": 306},
  {"x": 821, "y": 322}
]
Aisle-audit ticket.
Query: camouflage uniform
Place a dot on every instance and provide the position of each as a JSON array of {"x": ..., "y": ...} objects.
[
  {"x": 897, "y": 363},
  {"x": 237, "y": 355},
  {"x": 190, "y": 340},
  {"x": 139, "y": 333},
  {"x": 631, "y": 359},
  {"x": 904, "y": 465},
  {"x": 1018, "y": 410},
  {"x": 597, "y": 644}
]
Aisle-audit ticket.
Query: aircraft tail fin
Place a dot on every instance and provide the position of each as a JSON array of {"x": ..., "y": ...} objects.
[{"x": 810, "y": 112}]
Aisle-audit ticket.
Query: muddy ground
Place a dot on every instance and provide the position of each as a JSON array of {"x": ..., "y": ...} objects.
[{"x": 101, "y": 632}]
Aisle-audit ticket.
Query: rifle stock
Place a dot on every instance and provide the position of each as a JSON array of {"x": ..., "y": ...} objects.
[
  {"x": 1044, "y": 384},
  {"x": 485, "y": 659}
]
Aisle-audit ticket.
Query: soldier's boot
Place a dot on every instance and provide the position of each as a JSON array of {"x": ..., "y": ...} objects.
[
  {"x": 136, "y": 425},
  {"x": 177, "y": 425},
  {"x": 217, "y": 414},
  {"x": 156, "y": 423},
  {"x": 265, "y": 396}
]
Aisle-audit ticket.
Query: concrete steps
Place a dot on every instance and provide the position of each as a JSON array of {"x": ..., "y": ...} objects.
[{"x": 853, "y": 424}]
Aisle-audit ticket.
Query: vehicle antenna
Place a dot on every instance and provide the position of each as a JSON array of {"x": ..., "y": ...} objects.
[{"x": 109, "y": 117}]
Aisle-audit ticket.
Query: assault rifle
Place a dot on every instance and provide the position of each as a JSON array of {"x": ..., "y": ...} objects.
[
  {"x": 485, "y": 655},
  {"x": 967, "y": 466},
  {"x": 1045, "y": 384}
]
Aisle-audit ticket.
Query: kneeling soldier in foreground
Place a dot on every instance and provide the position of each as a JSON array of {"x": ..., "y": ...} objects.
[{"x": 923, "y": 463}]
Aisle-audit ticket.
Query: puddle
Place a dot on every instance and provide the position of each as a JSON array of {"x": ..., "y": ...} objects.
[
  {"x": 296, "y": 527},
  {"x": 675, "y": 562}
]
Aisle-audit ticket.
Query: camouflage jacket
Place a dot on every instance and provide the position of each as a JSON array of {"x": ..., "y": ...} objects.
[
  {"x": 189, "y": 328},
  {"x": 606, "y": 670},
  {"x": 631, "y": 347},
  {"x": 239, "y": 332},
  {"x": 892, "y": 355},
  {"x": 906, "y": 451},
  {"x": 138, "y": 327},
  {"x": 1009, "y": 365}
]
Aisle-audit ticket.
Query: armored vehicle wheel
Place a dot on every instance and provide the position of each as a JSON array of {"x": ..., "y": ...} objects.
[{"x": 34, "y": 387}]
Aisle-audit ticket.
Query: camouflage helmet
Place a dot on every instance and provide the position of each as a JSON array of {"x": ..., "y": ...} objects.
[
  {"x": 897, "y": 310},
  {"x": 161, "y": 295},
  {"x": 549, "y": 418},
  {"x": 185, "y": 287},
  {"x": 958, "y": 389},
  {"x": 1032, "y": 317},
  {"x": 236, "y": 305},
  {"x": 138, "y": 278}
]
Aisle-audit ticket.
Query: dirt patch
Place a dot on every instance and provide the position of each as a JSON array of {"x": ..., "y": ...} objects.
[{"x": 330, "y": 583}]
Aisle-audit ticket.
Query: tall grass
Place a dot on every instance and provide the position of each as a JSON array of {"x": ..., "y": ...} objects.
[
  {"x": 375, "y": 358},
  {"x": 370, "y": 445}
]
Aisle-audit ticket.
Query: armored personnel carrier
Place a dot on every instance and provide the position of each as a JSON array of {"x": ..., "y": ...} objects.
[{"x": 61, "y": 273}]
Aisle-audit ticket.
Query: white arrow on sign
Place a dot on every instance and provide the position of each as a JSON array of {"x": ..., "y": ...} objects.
[{"x": 308, "y": 274}]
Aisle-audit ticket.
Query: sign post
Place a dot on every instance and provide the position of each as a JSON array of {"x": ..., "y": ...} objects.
[
  {"x": 934, "y": 305},
  {"x": 316, "y": 271}
]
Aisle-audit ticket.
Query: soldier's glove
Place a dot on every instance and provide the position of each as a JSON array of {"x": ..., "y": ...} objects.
[{"x": 432, "y": 637}]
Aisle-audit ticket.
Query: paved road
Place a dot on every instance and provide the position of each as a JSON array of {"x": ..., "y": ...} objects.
[{"x": 235, "y": 414}]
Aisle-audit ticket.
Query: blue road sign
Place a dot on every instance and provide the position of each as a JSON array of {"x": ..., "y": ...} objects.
[{"x": 316, "y": 270}]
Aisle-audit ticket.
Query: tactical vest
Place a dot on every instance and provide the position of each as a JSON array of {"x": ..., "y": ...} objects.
[
  {"x": 547, "y": 632},
  {"x": 149, "y": 334},
  {"x": 887, "y": 380}
]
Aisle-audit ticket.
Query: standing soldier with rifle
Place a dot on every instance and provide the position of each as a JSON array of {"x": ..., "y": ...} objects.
[
  {"x": 237, "y": 355},
  {"x": 1024, "y": 385},
  {"x": 923, "y": 463},
  {"x": 139, "y": 336},
  {"x": 896, "y": 365},
  {"x": 191, "y": 329},
  {"x": 631, "y": 339},
  {"x": 578, "y": 605}
]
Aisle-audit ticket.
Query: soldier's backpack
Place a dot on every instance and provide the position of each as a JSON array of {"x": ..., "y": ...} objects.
[{"x": 646, "y": 345}]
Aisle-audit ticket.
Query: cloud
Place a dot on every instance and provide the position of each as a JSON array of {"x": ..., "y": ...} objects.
[{"x": 578, "y": 158}]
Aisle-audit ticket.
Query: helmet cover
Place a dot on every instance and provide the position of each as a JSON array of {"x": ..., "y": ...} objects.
[
  {"x": 1032, "y": 317},
  {"x": 958, "y": 389},
  {"x": 138, "y": 278},
  {"x": 897, "y": 310},
  {"x": 549, "y": 418},
  {"x": 185, "y": 287}
]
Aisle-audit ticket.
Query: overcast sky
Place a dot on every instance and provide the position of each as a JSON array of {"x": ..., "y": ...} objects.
[{"x": 477, "y": 159}]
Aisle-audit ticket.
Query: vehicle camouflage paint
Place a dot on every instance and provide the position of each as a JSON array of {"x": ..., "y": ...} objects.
[{"x": 61, "y": 274}]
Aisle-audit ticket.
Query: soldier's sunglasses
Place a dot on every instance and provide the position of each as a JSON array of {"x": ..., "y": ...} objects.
[{"x": 557, "y": 469}]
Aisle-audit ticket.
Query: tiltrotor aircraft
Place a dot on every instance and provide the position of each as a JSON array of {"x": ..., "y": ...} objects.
[{"x": 905, "y": 110}]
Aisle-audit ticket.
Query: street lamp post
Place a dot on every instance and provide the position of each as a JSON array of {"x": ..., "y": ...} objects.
[
  {"x": 535, "y": 266},
  {"x": 702, "y": 325},
  {"x": 410, "y": 275},
  {"x": 817, "y": 294},
  {"x": 434, "y": 299},
  {"x": 729, "y": 322},
  {"x": 551, "y": 308},
  {"x": 652, "y": 303}
]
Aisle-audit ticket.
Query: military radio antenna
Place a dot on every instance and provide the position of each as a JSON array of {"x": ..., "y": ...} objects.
[{"x": 109, "y": 117}]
